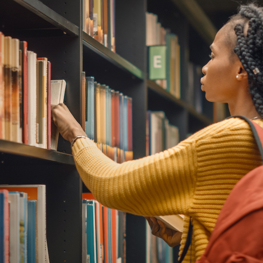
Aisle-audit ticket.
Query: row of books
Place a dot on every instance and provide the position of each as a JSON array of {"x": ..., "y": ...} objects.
[
  {"x": 160, "y": 135},
  {"x": 108, "y": 119},
  {"x": 156, "y": 35},
  {"x": 23, "y": 224},
  {"x": 26, "y": 94},
  {"x": 103, "y": 232},
  {"x": 99, "y": 21}
]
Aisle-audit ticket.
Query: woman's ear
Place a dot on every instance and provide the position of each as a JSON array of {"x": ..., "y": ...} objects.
[{"x": 242, "y": 74}]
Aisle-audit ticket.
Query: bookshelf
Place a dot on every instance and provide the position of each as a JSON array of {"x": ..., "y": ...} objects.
[{"x": 53, "y": 29}]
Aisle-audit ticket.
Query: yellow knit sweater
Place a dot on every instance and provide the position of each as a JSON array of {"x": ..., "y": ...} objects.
[{"x": 193, "y": 178}]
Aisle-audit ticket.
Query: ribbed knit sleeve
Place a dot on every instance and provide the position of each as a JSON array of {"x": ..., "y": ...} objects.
[{"x": 161, "y": 184}]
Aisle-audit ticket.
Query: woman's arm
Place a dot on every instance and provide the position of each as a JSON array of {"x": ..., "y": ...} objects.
[{"x": 160, "y": 184}]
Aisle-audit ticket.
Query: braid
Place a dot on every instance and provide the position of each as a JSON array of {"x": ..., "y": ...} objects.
[{"x": 249, "y": 49}]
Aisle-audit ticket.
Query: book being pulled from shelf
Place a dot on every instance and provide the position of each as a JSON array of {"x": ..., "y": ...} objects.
[
  {"x": 103, "y": 232},
  {"x": 108, "y": 119},
  {"x": 23, "y": 215},
  {"x": 99, "y": 21}
]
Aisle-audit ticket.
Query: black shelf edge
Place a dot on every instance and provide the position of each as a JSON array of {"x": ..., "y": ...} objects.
[
  {"x": 50, "y": 16},
  {"x": 112, "y": 57},
  {"x": 190, "y": 109},
  {"x": 35, "y": 152}
]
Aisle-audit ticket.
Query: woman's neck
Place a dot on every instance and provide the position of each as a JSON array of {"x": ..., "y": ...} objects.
[{"x": 243, "y": 106}]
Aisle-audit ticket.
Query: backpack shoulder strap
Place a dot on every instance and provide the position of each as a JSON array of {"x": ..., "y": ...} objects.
[
  {"x": 188, "y": 241},
  {"x": 256, "y": 130}
]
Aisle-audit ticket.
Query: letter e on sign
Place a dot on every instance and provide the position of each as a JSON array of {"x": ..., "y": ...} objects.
[{"x": 157, "y": 62}]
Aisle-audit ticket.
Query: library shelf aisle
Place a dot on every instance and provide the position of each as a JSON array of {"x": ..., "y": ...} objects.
[{"x": 53, "y": 29}]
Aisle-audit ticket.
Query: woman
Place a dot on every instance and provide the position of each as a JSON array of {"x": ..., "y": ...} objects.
[{"x": 195, "y": 177}]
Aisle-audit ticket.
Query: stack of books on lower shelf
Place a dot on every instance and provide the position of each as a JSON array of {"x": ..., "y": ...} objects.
[
  {"x": 108, "y": 120},
  {"x": 23, "y": 224},
  {"x": 26, "y": 94},
  {"x": 103, "y": 232}
]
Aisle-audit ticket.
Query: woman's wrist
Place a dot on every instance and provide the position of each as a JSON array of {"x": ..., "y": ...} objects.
[{"x": 74, "y": 133}]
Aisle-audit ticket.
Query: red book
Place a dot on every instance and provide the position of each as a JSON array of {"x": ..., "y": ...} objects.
[
  {"x": 23, "y": 47},
  {"x": 6, "y": 226},
  {"x": 49, "y": 105}
]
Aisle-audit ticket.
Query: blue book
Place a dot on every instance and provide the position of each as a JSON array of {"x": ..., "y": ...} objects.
[
  {"x": 109, "y": 236},
  {"x": 90, "y": 114},
  {"x": 91, "y": 232},
  {"x": 31, "y": 235},
  {"x": 168, "y": 254},
  {"x": 2, "y": 228},
  {"x": 125, "y": 123}
]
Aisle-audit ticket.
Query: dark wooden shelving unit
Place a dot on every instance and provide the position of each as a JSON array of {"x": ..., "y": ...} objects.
[{"x": 53, "y": 29}]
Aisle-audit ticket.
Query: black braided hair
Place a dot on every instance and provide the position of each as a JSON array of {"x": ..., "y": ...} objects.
[{"x": 249, "y": 49}]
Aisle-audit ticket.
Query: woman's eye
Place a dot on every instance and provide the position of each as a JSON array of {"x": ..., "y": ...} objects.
[{"x": 211, "y": 56}]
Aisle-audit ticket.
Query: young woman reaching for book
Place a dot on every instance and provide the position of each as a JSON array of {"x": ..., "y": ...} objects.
[{"x": 195, "y": 177}]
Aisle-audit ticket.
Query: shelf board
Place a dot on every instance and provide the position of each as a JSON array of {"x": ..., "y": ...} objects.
[
  {"x": 197, "y": 18},
  {"x": 112, "y": 57},
  {"x": 35, "y": 8},
  {"x": 35, "y": 152},
  {"x": 167, "y": 95}
]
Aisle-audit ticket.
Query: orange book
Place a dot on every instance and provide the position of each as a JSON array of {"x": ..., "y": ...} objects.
[
  {"x": 114, "y": 234},
  {"x": 105, "y": 232},
  {"x": 1, "y": 86}
]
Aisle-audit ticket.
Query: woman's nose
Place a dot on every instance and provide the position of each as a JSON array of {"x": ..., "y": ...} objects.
[{"x": 204, "y": 69}]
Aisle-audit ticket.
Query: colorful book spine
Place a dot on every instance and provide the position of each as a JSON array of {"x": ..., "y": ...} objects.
[
  {"x": 91, "y": 229},
  {"x": 4, "y": 227},
  {"x": 2, "y": 130},
  {"x": 31, "y": 235}
]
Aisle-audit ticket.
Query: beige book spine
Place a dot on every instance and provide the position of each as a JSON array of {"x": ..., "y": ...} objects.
[
  {"x": 7, "y": 88},
  {"x": 16, "y": 135}
]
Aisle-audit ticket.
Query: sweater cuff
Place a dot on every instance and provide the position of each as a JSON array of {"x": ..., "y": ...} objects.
[{"x": 82, "y": 143}]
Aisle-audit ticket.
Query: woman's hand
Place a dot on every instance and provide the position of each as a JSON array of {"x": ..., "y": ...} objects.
[
  {"x": 170, "y": 236},
  {"x": 66, "y": 124}
]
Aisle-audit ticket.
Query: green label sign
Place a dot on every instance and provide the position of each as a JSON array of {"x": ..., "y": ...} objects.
[{"x": 157, "y": 62}]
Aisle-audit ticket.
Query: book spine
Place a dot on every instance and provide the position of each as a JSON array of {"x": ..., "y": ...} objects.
[
  {"x": 25, "y": 90},
  {"x": 31, "y": 236},
  {"x": 7, "y": 89},
  {"x": 105, "y": 19},
  {"x": 32, "y": 99},
  {"x": 49, "y": 105},
  {"x": 1, "y": 86},
  {"x": 15, "y": 92},
  {"x": 83, "y": 100},
  {"x": 91, "y": 18},
  {"x": 105, "y": 230}
]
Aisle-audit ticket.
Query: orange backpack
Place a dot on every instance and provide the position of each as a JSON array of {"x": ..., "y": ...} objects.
[{"x": 238, "y": 233}]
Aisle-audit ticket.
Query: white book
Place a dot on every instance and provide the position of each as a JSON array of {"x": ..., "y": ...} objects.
[
  {"x": 58, "y": 88},
  {"x": 32, "y": 104},
  {"x": 13, "y": 198},
  {"x": 175, "y": 222},
  {"x": 38, "y": 193}
]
